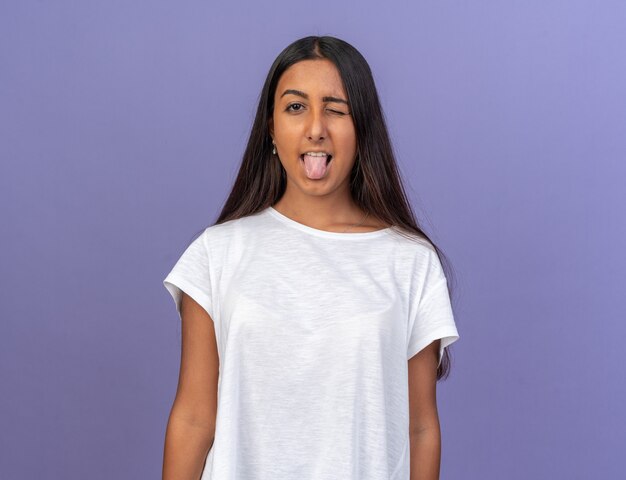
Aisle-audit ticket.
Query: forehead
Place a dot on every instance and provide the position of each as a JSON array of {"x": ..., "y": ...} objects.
[{"x": 315, "y": 77}]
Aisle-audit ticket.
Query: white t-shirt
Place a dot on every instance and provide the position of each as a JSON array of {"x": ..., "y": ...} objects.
[{"x": 314, "y": 332}]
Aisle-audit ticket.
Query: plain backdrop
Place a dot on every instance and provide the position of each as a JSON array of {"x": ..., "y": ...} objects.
[{"x": 122, "y": 124}]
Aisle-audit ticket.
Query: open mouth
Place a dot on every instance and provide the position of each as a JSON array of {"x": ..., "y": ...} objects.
[{"x": 328, "y": 158}]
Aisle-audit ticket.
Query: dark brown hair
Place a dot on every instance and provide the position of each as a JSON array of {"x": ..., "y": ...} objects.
[{"x": 375, "y": 182}]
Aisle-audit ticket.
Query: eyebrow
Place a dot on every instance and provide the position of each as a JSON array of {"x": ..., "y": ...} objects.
[{"x": 304, "y": 95}]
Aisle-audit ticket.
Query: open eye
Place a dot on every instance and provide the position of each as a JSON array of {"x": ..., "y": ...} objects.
[{"x": 293, "y": 104}]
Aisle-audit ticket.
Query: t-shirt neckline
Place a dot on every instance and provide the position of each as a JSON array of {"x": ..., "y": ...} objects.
[{"x": 324, "y": 233}]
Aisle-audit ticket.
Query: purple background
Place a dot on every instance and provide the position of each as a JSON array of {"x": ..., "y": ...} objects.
[{"x": 121, "y": 127}]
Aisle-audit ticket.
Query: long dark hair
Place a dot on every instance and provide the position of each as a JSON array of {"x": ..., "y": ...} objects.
[{"x": 374, "y": 181}]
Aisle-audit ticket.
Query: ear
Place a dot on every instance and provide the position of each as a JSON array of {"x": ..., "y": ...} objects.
[{"x": 270, "y": 124}]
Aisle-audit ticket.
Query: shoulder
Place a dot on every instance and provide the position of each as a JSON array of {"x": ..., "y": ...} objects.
[
  {"x": 231, "y": 235},
  {"x": 411, "y": 244},
  {"x": 414, "y": 254},
  {"x": 229, "y": 228}
]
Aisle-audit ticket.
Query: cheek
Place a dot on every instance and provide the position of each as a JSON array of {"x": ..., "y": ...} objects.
[
  {"x": 347, "y": 139},
  {"x": 287, "y": 131}
]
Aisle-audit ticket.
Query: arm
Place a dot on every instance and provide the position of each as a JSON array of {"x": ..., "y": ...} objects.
[
  {"x": 191, "y": 425},
  {"x": 425, "y": 435}
]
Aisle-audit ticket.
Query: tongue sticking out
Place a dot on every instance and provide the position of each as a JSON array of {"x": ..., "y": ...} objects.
[{"x": 315, "y": 167}]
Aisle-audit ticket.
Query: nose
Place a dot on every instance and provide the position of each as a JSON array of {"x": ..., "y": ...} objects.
[{"x": 316, "y": 126}]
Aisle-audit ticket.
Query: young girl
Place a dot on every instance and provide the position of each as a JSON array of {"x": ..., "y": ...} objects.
[{"x": 315, "y": 312}]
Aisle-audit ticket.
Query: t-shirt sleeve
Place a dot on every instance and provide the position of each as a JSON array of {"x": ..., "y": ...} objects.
[
  {"x": 191, "y": 274},
  {"x": 433, "y": 318}
]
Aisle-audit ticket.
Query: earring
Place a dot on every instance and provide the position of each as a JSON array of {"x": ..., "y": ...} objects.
[{"x": 274, "y": 148}]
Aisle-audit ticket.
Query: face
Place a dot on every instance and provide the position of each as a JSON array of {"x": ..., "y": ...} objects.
[{"x": 311, "y": 114}]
